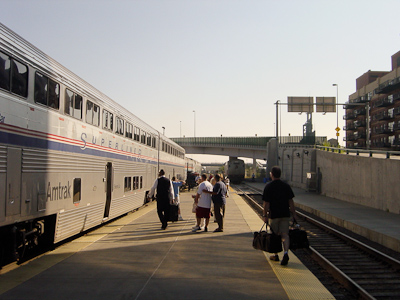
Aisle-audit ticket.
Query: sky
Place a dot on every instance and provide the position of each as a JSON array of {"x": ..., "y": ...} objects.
[{"x": 212, "y": 68}]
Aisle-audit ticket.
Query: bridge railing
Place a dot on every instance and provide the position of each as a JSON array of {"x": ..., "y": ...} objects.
[
  {"x": 247, "y": 142},
  {"x": 242, "y": 142},
  {"x": 359, "y": 151}
]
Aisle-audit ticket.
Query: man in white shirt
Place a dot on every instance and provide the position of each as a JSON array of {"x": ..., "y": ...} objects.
[{"x": 203, "y": 201}]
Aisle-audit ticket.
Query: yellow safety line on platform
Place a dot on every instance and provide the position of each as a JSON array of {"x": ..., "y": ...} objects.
[
  {"x": 14, "y": 275},
  {"x": 298, "y": 282}
]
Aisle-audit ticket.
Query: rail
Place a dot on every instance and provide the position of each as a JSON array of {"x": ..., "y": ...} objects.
[{"x": 360, "y": 268}]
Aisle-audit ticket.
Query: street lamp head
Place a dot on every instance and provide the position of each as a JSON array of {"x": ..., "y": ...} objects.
[{"x": 334, "y": 84}]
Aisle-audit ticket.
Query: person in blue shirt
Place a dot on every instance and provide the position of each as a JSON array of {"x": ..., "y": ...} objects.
[{"x": 177, "y": 184}]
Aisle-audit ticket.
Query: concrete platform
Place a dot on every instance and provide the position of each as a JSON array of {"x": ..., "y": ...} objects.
[
  {"x": 377, "y": 225},
  {"x": 132, "y": 258}
]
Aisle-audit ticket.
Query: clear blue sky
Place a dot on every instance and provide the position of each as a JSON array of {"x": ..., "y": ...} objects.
[{"x": 227, "y": 60}]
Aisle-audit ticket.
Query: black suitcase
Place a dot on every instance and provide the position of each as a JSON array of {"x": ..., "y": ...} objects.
[
  {"x": 173, "y": 213},
  {"x": 267, "y": 241},
  {"x": 298, "y": 239}
]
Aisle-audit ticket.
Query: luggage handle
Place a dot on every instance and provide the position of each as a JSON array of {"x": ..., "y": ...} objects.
[{"x": 268, "y": 228}]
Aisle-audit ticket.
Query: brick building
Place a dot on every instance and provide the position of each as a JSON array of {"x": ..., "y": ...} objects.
[{"x": 373, "y": 111}]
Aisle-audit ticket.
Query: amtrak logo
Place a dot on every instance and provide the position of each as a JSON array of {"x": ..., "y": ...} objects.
[{"x": 2, "y": 118}]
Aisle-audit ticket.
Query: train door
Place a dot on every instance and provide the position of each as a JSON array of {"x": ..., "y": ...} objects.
[
  {"x": 13, "y": 197},
  {"x": 109, "y": 179}
]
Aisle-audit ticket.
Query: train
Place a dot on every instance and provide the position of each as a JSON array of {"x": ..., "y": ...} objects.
[
  {"x": 71, "y": 158},
  {"x": 235, "y": 170},
  {"x": 193, "y": 166}
]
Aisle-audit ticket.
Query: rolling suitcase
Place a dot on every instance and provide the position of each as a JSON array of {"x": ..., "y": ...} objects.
[
  {"x": 173, "y": 213},
  {"x": 298, "y": 239}
]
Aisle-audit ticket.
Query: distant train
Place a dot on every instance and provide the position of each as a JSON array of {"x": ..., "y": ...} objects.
[
  {"x": 70, "y": 157},
  {"x": 192, "y": 166},
  {"x": 235, "y": 170}
]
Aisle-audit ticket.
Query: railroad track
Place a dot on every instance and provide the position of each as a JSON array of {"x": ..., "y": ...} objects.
[{"x": 365, "y": 272}]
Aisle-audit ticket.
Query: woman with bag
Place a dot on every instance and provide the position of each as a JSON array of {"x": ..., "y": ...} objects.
[{"x": 177, "y": 184}]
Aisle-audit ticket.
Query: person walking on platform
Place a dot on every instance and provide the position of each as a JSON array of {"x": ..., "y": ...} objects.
[
  {"x": 219, "y": 199},
  {"x": 227, "y": 186},
  {"x": 203, "y": 201},
  {"x": 278, "y": 204},
  {"x": 177, "y": 184},
  {"x": 165, "y": 195}
]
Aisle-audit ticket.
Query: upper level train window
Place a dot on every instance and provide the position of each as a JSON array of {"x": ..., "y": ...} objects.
[
  {"x": 13, "y": 75},
  {"x": 148, "y": 139},
  {"x": 107, "y": 120},
  {"x": 143, "y": 137},
  {"x": 47, "y": 91},
  {"x": 136, "y": 136},
  {"x": 128, "y": 130},
  {"x": 119, "y": 124},
  {"x": 92, "y": 113},
  {"x": 73, "y": 104}
]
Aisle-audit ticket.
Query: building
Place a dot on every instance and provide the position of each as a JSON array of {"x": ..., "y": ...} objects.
[{"x": 373, "y": 111}]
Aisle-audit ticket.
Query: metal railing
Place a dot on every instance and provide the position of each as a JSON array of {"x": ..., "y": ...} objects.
[
  {"x": 358, "y": 151},
  {"x": 242, "y": 142},
  {"x": 246, "y": 142}
]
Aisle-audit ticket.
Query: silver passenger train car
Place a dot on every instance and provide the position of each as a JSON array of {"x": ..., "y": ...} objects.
[{"x": 70, "y": 157}]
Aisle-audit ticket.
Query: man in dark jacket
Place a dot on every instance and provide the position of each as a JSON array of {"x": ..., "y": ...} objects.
[{"x": 164, "y": 196}]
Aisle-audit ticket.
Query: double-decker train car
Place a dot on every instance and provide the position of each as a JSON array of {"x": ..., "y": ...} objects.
[
  {"x": 235, "y": 170},
  {"x": 70, "y": 157}
]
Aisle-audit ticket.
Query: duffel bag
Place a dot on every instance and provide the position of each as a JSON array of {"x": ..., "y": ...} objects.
[
  {"x": 267, "y": 241},
  {"x": 298, "y": 239}
]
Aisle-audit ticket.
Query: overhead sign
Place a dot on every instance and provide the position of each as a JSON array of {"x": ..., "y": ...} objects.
[
  {"x": 301, "y": 104},
  {"x": 326, "y": 104}
]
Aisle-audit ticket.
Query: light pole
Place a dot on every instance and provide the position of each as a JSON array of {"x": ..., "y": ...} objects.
[
  {"x": 337, "y": 112},
  {"x": 194, "y": 130},
  {"x": 180, "y": 128},
  {"x": 163, "y": 132}
]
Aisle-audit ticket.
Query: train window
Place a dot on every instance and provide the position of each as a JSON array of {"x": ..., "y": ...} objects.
[
  {"x": 148, "y": 139},
  {"x": 136, "y": 136},
  {"x": 5, "y": 71},
  {"x": 143, "y": 137},
  {"x": 107, "y": 120},
  {"x": 78, "y": 106},
  {"x": 127, "y": 184},
  {"x": 141, "y": 182},
  {"x": 119, "y": 126},
  {"x": 128, "y": 130},
  {"x": 96, "y": 115},
  {"x": 19, "y": 78},
  {"x": 154, "y": 142},
  {"x": 73, "y": 104},
  {"x": 47, "y": 91},
  {"x": 134, "y": 182},
  {"x": 13, "y": 75},
  {"x": 92, "y": 113},
  {"x": 40, "y": 89},
  {"x": 77, "y": 190}
]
